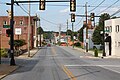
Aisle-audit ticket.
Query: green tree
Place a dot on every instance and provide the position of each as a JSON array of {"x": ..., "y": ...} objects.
[
  {"x": 18, "y": 43},
  {"x": 97, "y": 38},
  {"x": 69, "y": 32},
  {"x": 40, "y": 30},
  {"x": 80, "y": 36}
]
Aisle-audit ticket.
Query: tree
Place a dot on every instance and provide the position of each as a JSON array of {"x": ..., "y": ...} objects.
[
  {"x": 97, "y": 38},
  {"x": 80, "y": 36},
  {"x": 40, "y": 30},
  {"x": 69, "y": 32},
  {"x": 18, "y": 43}
]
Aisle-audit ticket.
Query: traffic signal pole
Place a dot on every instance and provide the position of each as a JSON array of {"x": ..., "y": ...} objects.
[
  {"x": 86, "y": 28},
  {"x": 29, "y": 24},
  {"x": 67, "y": 32},
  {"x": 73, "y": 33},
  {"x": 12, "y": 61}
]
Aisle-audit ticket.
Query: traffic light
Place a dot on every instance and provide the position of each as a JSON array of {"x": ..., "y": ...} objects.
[
  {"x": 72, "y": 5},
  {"x": 42, "y": 5},
  {"x": 92, "y": 16},
  {"x": 72, "y": 17},
  {"x": 8, "y": 32},
  {"x": 9, "y": 13}
]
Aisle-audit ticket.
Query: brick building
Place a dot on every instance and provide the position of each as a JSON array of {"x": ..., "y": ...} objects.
[{"x": 20, "y": 22}]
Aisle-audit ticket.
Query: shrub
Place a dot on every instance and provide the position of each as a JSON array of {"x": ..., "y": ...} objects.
[
  {"x": 96, "y": 52},
  {"x": 4, "y": 52},
  {"x": 77, "y": 44}
]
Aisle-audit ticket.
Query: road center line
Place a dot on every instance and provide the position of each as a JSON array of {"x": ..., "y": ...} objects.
[{"x": 69, "y": 73}]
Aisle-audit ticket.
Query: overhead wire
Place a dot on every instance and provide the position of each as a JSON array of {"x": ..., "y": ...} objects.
[
  {"x": 97, "y": 6},
  {"x": 118, "y": 11},
  {"x": 49, "y": 21},
  {"x": 109, "y": 7}
]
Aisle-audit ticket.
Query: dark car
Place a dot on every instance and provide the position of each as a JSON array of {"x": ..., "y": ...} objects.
[{"x": 48, "y": 45}]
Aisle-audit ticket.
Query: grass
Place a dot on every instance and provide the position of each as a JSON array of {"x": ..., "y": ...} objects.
[{"x": 99, "y": 51}]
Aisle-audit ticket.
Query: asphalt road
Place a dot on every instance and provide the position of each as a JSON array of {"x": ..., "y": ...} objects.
[{"x": 55, "y": 63}]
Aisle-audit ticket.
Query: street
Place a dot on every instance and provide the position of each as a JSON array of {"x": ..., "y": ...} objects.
[{"x": 63, "y": 63}]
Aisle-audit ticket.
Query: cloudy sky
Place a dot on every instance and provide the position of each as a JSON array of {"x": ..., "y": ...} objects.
[{"x": 58, "y": 13}]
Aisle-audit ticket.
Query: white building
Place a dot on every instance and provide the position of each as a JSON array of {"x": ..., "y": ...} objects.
[
  {"x": 112, "y": 27},
  {"x": 90, "y": 42}
]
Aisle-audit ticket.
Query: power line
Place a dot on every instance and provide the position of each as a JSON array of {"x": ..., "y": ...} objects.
[
  {"x": 115, "y": 13},
  {"x": 79, "y": 22},
  {"x": 23, "y": 9},
  {"x": 109, "y": 6},
  {"x": 49, "y": 21},
  {"x": 97, "y": 6}
]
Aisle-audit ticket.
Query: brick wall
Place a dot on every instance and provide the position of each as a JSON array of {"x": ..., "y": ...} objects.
[{"x": 24, "y": 29}]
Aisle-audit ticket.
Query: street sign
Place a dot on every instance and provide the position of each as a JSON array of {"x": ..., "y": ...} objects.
[
  {"x": 18, "y": 31},
  {"x": 6, "y": 26}
]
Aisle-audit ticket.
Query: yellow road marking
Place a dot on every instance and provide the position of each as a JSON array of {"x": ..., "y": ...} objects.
[{"x": 69, "y": 73}]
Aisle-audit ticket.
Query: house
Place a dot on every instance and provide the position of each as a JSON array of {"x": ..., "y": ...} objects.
[
  {"x": 90, "y": 32},
  {"x": 112, "y": 39}
]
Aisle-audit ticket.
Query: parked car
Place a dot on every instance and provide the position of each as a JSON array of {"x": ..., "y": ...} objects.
[
  {"x": 63, "y": 44},
  {"x": 48, "y": 45}
]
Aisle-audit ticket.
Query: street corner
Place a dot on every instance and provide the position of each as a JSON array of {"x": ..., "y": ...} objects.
[
  {"x": 32, "y": 53},
  {"x": 6, "y": 69},
  {"x": 90, "y": 57},
  {"x": 111, "y": 57}
]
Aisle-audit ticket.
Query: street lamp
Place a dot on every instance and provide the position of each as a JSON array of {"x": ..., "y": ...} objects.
[
  {"x": 12, "y": 61},
  {"x": 36, "y": 37}
]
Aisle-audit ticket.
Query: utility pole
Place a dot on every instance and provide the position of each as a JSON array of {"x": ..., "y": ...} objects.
[
  {"x": 59, "y": 32},
  {"x": 67, "y": 32},
  {"x": 86, "y": 28},
  {"x": 104, "y": 54},
  {"x": 0, "y": 44},
  {"x": 29, "y": 24},
  {"x": 12, "y": 61},
  {"x": 73, "y": 33},
  {"x": 40, "y": 31}
]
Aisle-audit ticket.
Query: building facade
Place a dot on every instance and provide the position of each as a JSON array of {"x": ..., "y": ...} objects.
[
  {"x": 112, "y": 45},
  {"x": 20, "y": 30}
]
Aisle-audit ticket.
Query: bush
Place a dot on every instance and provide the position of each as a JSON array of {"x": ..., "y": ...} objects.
[
  {"x": 4, "y": 53},
  {"x": 96, "y": 52},
  {"x": 77, "y": 44}
]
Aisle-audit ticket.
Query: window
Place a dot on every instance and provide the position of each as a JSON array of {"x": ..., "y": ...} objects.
[
  {"x": 21, "y": 22},
  {"x": 14, "y": 22},
  {"x": 4, "y": 22},
  {"x": 117, "y": 28},
  {"x": 118, "y": 44},
  {"x": 115, "y": 44},
  {"x": 110, "y": 28}
]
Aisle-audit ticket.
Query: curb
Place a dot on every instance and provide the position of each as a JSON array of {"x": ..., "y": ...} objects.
[
  {"x": 34, "y": 53},
  {"x": 16, "y": 67},
  {"x": 9, "y": 73}
]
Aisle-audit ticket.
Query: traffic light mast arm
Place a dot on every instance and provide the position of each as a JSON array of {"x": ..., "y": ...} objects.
[
  {"x": 85, "y": 16},
  {"x": 39, "y": 1}
]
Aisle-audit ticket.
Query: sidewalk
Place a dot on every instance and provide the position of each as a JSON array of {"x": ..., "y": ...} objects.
[
  {"x": 6, "y": 69},
  {"x": 89, "y": 54},
  {"x": 111, "y": 63}
]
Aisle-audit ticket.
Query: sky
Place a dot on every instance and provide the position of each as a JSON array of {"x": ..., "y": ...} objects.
[{"x": 56, "y": 14}]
